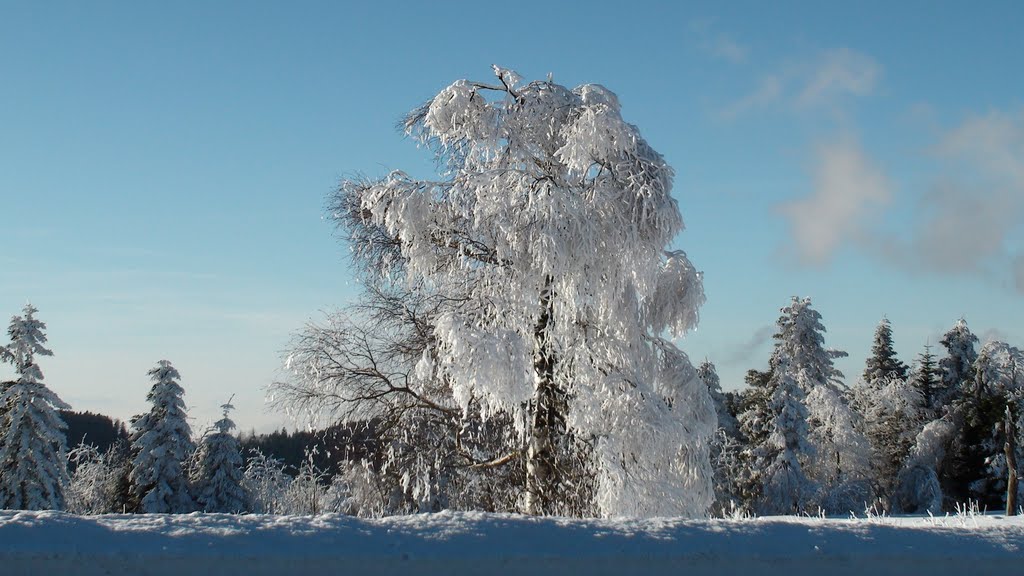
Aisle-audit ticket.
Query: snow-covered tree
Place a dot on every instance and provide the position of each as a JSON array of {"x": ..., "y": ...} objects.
[
  {"x": 726, "y": 450},
  {"x": 805, "y": 441},
  {"x": 883, "y": 363},
  {"x": 786, "y": 487},
  {"x": 892, "y": 421},
  {"x": 999, "y": 372},
  {"x": 957, "y": 368},
  {"x": 918, "y": 487},
  {"x": 221, "y": 469},
  {"x": 924, "y": 377},
  {"x": 161, "y": 442},
  {"x": 363, "y": 364},
  {"x": 842, "y": 465},
  {"x": 545, "y": 240},
  {"x": 726, "y": 420},
  {"x": 960, "y": 393},
  {"x": 33, "y": 460}
]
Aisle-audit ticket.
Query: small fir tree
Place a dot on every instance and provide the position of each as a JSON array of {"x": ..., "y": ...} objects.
[
  {"x": 925, "y": 379},
  {"x": 883, "y": 363},
  {"x": 221, "y": 469},
  {"x": 161, "y": 442}
]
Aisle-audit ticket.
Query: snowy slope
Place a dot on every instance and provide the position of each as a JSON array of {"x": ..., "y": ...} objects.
[{"x": 478, "y": 543}]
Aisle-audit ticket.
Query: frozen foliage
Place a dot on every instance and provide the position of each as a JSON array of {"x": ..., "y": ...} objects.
[
  {"x": 893, "y": 418},
  {"x": 33, "y": 463},
  {"x": 918, "y": 489},
  {"x": 805, "y": 443},
  {"x": 546, "y": 242},
  {"x": 842, "y": 453},
  {"x": 958, "y": 365},
  {"x": 95, "y": 483},
  {"x": 726, "y": 421},
  {"x": 221, "y": 469},
  {"x": 161, "y": 442},
  {"x": 999, "y": 372},
  {"x": 372, "y": 365},
  {"x": 309, "y": 491},
  {"x": 265, "y": 481}
]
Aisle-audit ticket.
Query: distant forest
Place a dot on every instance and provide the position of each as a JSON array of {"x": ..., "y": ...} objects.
[{"x": 327, "y": 448}]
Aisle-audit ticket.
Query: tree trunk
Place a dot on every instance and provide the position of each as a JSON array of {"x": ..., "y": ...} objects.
[
  {"x": 547, "y": 419},
  {"x": 1010, "y": 447}
]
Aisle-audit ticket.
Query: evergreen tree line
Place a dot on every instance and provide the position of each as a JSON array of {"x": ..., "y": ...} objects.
[
  {"x": 154, "y": 465},
  {"x": 903, "y": 439}
]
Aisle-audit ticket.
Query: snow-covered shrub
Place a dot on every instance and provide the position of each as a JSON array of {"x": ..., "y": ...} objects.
[
  {"x": 95, "y": 483},
  {"x": 265, "y": 481}
]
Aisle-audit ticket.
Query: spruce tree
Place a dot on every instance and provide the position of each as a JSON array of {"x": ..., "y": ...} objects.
[
  {"x": 925, "y": 378},
  {"x": 221, "y": 469},
  {"x": 33, "y": 454},
  {"x": 960, "y": 398},
  {"x": 726, "y": 420},
  {"x": 957, "y": 368},
  {"x": 806, "y": 438},
  {"x": 892, "y": 421},
  {"x": 161, "y": 442},
  {"x": 883, "y": 362}
]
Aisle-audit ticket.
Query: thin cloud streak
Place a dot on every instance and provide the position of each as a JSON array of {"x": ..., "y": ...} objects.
[{"x": 823, "y": 82}]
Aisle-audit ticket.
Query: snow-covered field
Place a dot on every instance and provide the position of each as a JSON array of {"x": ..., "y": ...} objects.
[{"x": 478, "y": 543}]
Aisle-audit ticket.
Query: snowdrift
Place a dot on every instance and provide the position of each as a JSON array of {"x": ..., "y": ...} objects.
[{"x": 479, "y": 543}]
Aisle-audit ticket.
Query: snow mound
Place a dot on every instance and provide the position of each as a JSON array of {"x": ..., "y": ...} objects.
[{"x": 480, "y": 543}]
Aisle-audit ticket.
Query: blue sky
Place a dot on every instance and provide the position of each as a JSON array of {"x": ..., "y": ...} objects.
[{"x": 164, "y": 166}]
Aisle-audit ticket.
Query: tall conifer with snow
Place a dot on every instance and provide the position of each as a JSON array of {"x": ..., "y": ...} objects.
[
  {"x": 806, "y": 447},
  {"x": 222, "y": 469},
  {"x": 999, "y": 373},
  {"x": 957, "y": 367},
  {"x": 546, "y": 241},
  {"x": 893, "y": 409},
  {"x": 893, "y": 419},
  {"x": 161, "y": 442},
  {"x": 959, "y": 400},
  {"x": 33, "y": 453}
]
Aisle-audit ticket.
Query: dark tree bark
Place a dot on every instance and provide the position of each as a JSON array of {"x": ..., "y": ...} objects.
[
  {"x": 1010, "y": 447},
  {"x": 548, "y": 419}
]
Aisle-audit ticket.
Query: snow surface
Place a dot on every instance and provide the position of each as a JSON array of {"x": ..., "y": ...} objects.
[{"x": 480, "y": 543}]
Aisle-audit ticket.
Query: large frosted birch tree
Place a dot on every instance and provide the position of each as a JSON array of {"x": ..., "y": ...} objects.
[{"x": 546, "y": 241}]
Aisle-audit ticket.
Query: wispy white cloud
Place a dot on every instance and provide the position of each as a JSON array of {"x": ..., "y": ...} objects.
[
  {"x": 768, "y": 91},
  {"x": 848, "y": 188},
  {"x": 964, "y": 222},
  {"x": 716, "y": 43},
  {"x": 975, "y": 205},
  {"x": 822, "y": 81},
  {"x": 839, "y": 73}
]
